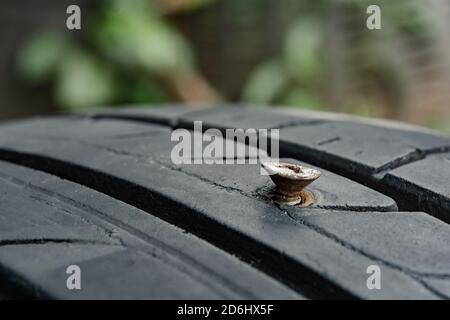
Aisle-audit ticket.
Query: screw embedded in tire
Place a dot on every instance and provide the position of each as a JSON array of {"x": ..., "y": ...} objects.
[{"x": 290, "y": 180}]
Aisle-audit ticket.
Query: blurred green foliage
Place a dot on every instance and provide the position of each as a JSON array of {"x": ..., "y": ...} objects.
[
  {"x": 378, "y": 74},
  {"x": 132, "y": 35},
  {"x": 128, "y": 49},
  {"x": 38, "y": 60},
  {"x": 294, "y": 78},
  {"x": 84, "y": 80}
]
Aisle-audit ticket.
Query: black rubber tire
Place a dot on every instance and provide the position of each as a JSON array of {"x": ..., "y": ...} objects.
[{"x": 100, "y": 192}]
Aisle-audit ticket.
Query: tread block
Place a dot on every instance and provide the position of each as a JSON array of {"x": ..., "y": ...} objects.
[
  {"x": 330, "y": 191},
  {"x": 441, "y": 285},
  {"x": 150, "y": 276},
  {"x": 166, "y": 115},
  {"x": 30, "y": 265},
  {"x": 57, "y": 129},
  {"x": 376, "y": 234},
  {"x": 113, "y": 274},
  {"x": 428, "y": 179},
  {"x": 245, "y": 118},
  {"x": 28, "y": 216},
  {"x": 217, "y": 117},
  {"x": 369, "y": 149}
]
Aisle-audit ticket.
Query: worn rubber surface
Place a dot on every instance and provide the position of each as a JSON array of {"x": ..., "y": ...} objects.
[{"x": 100, "y": 191}]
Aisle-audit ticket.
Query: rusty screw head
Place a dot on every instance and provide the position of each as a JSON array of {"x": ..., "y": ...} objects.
[{"x": 290, "y": 180}]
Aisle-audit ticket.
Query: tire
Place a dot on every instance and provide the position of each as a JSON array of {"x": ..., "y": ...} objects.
[{"x": 100, "y": 191}]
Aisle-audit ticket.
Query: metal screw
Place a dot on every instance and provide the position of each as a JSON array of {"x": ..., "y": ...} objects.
[{"x": 290, "y": 180}]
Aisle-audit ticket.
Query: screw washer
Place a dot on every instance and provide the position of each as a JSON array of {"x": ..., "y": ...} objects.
[{"x": 290, "y": 180}]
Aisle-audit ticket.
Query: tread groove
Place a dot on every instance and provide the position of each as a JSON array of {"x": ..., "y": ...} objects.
[
  {"x": 269, "y": 261},
  {"x": 44, "y": 241},
  {"x": 412, "y": 157},
  {"x": 163, "y": 247}
]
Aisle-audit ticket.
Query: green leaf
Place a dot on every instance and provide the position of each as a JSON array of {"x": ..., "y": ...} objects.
[
  {"x": 265, "y": 83},
  {"x": 39, "y": 58},
  {"x": 302, "y": 50},
  {"x": 136, "y": 38},
  {"x": 143, "y": 90},
  {"x": 439, "y": 123},
  {"x": 83, "y": 81},
  {"x": 301, "y": 98}
]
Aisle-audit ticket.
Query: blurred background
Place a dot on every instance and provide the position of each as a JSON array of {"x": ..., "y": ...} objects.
[{"x": 305, "y": 54}]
